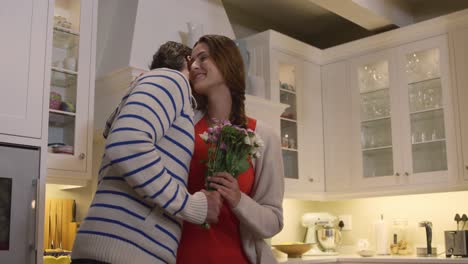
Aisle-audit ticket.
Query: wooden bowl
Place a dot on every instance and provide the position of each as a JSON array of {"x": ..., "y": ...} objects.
[{"x": 294, "y": 250}]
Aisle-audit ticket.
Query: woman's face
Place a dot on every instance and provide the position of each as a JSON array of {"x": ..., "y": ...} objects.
[{"x": 204, "y": 73}]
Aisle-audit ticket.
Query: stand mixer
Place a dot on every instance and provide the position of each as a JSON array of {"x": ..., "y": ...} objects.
[{"x": 323, "y": 232}]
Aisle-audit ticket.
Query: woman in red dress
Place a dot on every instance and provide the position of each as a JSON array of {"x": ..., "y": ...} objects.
[{"x": 252, "y": 208}]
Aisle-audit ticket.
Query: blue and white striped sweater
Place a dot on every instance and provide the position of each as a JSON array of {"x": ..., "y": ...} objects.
[{"x": 142, "y": 196}]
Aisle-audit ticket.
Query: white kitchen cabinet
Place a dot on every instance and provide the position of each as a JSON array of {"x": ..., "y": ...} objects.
[
  {"x": 296, "y": 82},
  {"x": 72, "y": 91},
  {"x": 337, "y": 127},
  {"x": 402, "y": 130},
  {"x": 291, "y": 78},
  {"x": 459, "y": 40},
  {"x": 23, "y": 26}
]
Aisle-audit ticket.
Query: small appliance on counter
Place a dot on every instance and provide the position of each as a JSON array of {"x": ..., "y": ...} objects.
[
  {"x": 456, "y": 242},
  {"x": 427, "y": 251},
  {"x": 322, "y": 232}
]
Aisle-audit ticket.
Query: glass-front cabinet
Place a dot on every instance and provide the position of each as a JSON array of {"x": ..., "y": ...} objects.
[
  {"x": 400, "y": 115},
  {"x": 374, "y": 97},
  {"x": 296, "y": 83},
  {"x": 427, "y": 122},
  {"x": 289, "y": 133},
  {"x": 69, "y": 98}
]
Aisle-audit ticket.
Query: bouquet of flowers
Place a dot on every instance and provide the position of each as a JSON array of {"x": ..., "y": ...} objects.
[{"x": 230, "y": 148}]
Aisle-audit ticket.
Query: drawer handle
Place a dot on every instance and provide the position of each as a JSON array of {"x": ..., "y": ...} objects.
[
  {"x": 311, "y": 179},
  {"x": 406, "y": 174},
  {"x": 397, "y": 174},
  {"x": 82, "y": 156}
]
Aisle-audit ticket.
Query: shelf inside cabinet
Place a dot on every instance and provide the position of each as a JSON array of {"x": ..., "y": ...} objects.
[
  {"x": 288, "y": 119},
  {"x": 376, "y": 148},
  {"x": 375, "y": 119},
  {"x": 427, "y": 110},
  {"x": 289, "y": 149},
  {"x": 65, "y": 71},
  {"x": 59, "y": 112},
  {"x": 373, "y": 91},
  {"x": 425, "y": 81},
  {"x": 288, "y": 91},
  {"x": 429, "y": 141}
]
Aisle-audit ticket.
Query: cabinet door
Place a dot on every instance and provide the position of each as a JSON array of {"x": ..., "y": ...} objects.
[
  {"x": 337, "y": 126},
  {"x": 374, "y": 151},
  {"x": 70, "y": 85},
  {"x": 288, "y": 74},
  {"x": 427, "y": 130},
  {"x": 23, "y": 27},
  {"x": 460, "y": 56}
]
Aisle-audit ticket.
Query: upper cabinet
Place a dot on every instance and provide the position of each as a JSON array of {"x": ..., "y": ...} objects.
[
  {"x": 296, "y": 83},
  {"x": 402, "y": 117},
  {"x": 287, "y": 78},
  {"x": 24, "y": 37},
  {"x": 71, "y": 98},
  {"x": 459, "y": 40}
]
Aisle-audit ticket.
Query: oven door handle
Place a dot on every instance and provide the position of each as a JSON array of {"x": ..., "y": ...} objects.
[{"x": 33, "y": 218}]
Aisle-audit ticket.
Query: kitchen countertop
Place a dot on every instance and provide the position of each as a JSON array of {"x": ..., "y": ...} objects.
[{"x": 375, "y": 259}]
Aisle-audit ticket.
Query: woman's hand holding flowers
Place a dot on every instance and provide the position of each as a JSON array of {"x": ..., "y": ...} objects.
[{"x": 227, "y": 186}]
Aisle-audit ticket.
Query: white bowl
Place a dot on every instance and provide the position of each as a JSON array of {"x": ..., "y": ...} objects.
[{"x": 366, "y": 253}]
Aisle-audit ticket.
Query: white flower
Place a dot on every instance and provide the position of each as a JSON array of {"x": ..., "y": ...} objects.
[
  {"x": 259, "y": 142},
  {"x": 204, "y": 136},
  {"x": 248, "y": 141},
  {"x": 257, "y": 155}
]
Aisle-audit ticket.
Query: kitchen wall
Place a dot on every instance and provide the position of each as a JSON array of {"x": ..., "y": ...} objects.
[{"x": 439, "y": 208}]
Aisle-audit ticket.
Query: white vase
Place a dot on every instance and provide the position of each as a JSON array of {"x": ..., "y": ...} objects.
[{"x": 195, "y": 31}]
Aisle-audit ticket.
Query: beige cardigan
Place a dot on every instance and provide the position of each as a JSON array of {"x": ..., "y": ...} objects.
[{"x": 261, "y": 216}]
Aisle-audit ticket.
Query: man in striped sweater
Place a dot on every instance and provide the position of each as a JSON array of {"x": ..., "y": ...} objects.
[{"x": 141, "y": 199}]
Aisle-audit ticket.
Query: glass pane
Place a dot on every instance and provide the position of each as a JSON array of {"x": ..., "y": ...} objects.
[
  {"x": 424, "y": 95},
  {"x": 289, "y": 99},
  {"x": 375, "y": 104},
  {"x": 5, "y": 213},
  {"x": 290, "y": 164},
  {"x": 429, "y": 156},
  {"x": 373, "y": 76},
  {"x": 376, "y": 134},
  {"x": 287, "y": 77},
  {"x": 61, "y": 133},
  {"x": 423, "y": 65},
  {"x": 289, "y": 134},
  {"x": 378, "y": 162},
  {"x": 63, "y": 90},
  {"x": 376, "y": 127}
]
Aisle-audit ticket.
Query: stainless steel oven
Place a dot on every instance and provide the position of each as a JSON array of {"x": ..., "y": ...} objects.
[{"x": 19, "y": 174}]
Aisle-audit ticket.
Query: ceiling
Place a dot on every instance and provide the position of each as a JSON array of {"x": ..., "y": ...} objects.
[{"x": 309, "y": 21}]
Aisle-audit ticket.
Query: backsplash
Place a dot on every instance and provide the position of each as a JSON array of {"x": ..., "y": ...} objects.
[{"x": 439, "y": 208}]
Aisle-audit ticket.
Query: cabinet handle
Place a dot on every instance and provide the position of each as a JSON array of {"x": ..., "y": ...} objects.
[
  {"x": 397, "y": 174},
  {"x": 406, "y": 173},
  {"x": 82, "y": 156},
  {"x": 466, "y": 167},
  {"x": 311, "y": 179}
]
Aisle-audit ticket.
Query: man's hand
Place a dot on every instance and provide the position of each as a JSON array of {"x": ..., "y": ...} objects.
[{"x": 214, "y": 205}]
